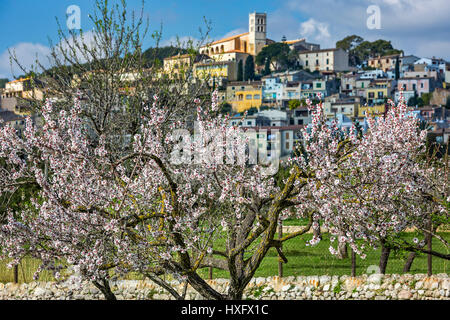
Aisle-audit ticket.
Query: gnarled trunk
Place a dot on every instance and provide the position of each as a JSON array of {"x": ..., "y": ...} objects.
[
  {"x": 385, "y": 252},
  {"x": 105, "y": 289}
]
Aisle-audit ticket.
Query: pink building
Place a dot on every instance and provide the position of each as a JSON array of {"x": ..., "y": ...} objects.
[{"x": 420, "y": 85}]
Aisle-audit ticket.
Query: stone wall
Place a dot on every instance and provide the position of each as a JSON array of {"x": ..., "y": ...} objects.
[{"x": 373, "y": 287}]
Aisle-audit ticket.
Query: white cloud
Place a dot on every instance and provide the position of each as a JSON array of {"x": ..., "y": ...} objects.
[
  {"x": 26, "y": 53},
  {"x": 233, "y": 33},
  {"x": 315, "y": 30},
  {"x": 417, "y": 26}
]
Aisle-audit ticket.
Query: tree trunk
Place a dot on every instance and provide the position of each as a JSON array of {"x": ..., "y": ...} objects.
[
  {"x": 429, "y": 239},
  {"x": 342, "y": 250},
  {"x": 385, "y": 252},
  {"x": 203, "y": 288},
  {"x": 410, "y": 259},
  {"x": 105, "y": 289},
  {"x": 16, "y": 273},
  {"x": 353, "y": 263},
  {"x": 280, "y": 262}
]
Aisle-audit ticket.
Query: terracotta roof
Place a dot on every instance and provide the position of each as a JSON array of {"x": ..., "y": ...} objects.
[
  {"x": 20, "y": 80},
  {"x": 294, "y": 41},
  {"x": 229, "y": 38},
  {"x": 320, "y": 50},
  {"x": 178, "y": 56}
]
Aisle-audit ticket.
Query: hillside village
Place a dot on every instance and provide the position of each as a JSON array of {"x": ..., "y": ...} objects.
[{"x": 264, "y": 85}]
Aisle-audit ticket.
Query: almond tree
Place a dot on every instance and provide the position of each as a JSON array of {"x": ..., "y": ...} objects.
[{"x": 372, "y": 187}]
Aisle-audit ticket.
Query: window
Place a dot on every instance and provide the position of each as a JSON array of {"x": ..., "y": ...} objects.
[
  {"x": 287, "y": 135},
  {"x": 249, "y": 123},
  {"x": 306, "y": 63},
  {"x": 421, "y": 85},
  {"x": 371, "y": 94},
  {"x": 318, "y": 85},
  {"x": 256, "y": 97},
  {"x": 248, "y": 97},
  {"x": 328, "y": 61},
  {"x": 287, "y": 145},
  {"x": 317, "y": 62},
  {"x": 380, "y": 94}
]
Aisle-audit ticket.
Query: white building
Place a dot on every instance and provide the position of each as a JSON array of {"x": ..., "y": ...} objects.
[{"x": 331, "y": 60}]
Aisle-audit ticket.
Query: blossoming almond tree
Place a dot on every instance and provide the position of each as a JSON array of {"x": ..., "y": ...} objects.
[
  {"x": 371, "y": 186},
  {"x": 142, "y": 212}
]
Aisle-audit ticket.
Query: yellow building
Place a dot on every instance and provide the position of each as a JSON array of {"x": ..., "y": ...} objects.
[
  {"x": 250, "y": 43},
  {"x": 17, "y": 95},
  {"x": 22, "y": 88},
  {"x": 178, "y": 65},
  {"x": 216, "y": 70},
  {"x": 376, "y": 110},
  {"x": 384, "y": 63},
  {"x": 250, "y": 96},
  {"x": 378, "y": 91}
]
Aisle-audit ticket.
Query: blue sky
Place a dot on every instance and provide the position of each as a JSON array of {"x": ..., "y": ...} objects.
[{"x": 419, "y": 27}]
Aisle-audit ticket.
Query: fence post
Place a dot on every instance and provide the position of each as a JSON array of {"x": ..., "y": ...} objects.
[{"x": 210, "y": 273}]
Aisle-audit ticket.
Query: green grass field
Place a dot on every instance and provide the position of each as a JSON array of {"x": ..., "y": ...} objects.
[{"x": 302, "y": 260}]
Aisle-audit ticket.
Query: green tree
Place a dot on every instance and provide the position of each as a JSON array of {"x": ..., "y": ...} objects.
[
  {"x": 240, "y": 71},
  {"x": 226, "y": 108},
  {"x": 294, "y": 104},
  {"x": 155, "y": 56},
  {"x": 426, "y": 97},
  {"x": 397, "y": 68},
  {"x": 348, "y": 44},
  {"x": 249, "y": 70},
  {"x": 360, "y": 49},
  {"x": 3, "y": 82},
  {"x": 252, "y": 111},
  {"x": 276, "y": 53},
  {"x": 267, "y": 70}
]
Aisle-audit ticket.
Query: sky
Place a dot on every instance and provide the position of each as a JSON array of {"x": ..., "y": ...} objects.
[{"x": 419, "y": 27}]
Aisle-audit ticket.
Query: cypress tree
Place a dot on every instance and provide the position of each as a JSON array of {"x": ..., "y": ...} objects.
[
  {"x": 267, "y": 67},
  {"x": 240, "y": 71},
  {"x": 249, "y": 69},
  {"x": 397, "y": 69}
]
